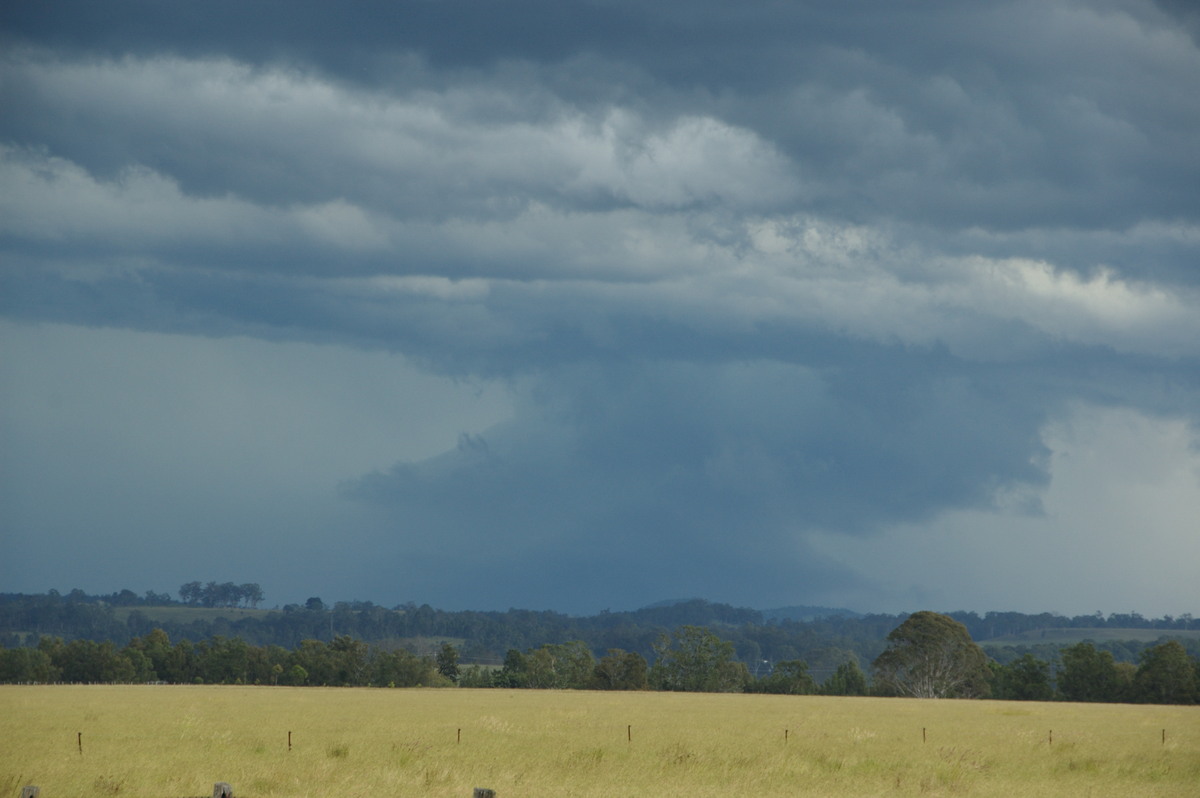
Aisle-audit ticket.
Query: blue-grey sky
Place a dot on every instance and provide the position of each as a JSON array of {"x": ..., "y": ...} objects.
[{"x": 584, "y": 305}]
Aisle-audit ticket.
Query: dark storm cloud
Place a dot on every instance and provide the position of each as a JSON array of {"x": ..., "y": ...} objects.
[
  {"x": 751, "y": 270},
  {"x": 1008, "y": 115},
  {"x": 1005, "y": 116}
]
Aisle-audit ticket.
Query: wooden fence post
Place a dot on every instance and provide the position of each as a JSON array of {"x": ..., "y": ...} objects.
[
  {"x": 222, "y": 790},
  {"x": 30, "y": 791}
]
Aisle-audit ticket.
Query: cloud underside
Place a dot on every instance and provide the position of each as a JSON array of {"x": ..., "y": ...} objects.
[{"x": 785, "y": 275}]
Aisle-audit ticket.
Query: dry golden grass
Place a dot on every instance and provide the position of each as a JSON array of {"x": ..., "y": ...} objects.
[{"x": 176, "y": 741}]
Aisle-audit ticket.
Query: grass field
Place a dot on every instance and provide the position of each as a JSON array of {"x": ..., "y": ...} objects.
[{"x": 176, "y": 741}]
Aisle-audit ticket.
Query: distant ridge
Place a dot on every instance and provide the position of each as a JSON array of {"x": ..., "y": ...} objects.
[
  {"x": 797, "y": 612},
  {"x": 803, "y": 612},
  {"x": 671, "y": 603}
]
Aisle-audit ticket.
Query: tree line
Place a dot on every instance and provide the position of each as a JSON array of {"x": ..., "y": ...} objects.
[
  {"x": 825, "y": 643},
  {"x": 931, "y": 655},
  {"x": 928, "y": 655},
  {"x": 153, "y": 658}
]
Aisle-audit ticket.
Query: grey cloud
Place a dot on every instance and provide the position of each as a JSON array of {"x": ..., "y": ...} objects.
[
  {"x": 655, "y": 470},
  {"x": 1008, "y": 117},
  {"x": 668, "y": 450},
  {"x": 755, "y": 270},
  {"x": 285, "y": 141}
]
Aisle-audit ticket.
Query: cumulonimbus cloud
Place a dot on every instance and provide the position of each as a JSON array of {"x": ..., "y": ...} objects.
[{"x": 814, "y": 278}]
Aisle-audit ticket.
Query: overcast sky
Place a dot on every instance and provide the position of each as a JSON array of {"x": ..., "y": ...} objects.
[{"x": 585, "y": 305}]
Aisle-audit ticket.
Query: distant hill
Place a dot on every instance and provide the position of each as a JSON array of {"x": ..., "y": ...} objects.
[
  {"x": 694, "y": 612},
  {"x": 658, "y": 605},
  {"x": 804, "y": 613},
  {"x": 797, "y": 612}
]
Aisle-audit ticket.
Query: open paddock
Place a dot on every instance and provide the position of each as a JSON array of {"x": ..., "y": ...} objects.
[{"x": 160, "y": 741}]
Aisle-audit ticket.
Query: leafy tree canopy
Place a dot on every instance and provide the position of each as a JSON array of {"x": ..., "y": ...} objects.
[
  {"x": 848, "y": 679},
  {"x": 695, "y": 660},
  {"x": 1167, "y": 675},
  {"x": 932, "y": 656},
  {"x": 1087, "y": 674},
  {"x": 1026, "y": 678}
]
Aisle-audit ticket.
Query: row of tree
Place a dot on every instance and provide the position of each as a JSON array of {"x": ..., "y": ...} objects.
[
  {"x": 928, "y": 656},
  {"x": 692, "y": 659},
  {"x": 933, "y": 656},
  {"x": 343, "y": 661},
  {"x": 484, "y": 637}
]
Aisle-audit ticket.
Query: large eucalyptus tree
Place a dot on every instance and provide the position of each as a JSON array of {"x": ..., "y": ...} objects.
[{"x": 932, "y": 656}]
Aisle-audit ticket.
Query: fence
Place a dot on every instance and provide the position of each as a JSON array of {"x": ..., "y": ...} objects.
[{"x": 222, "y": 789}]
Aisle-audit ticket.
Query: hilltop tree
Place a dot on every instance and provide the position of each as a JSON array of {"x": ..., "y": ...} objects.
[
  {"x": 932, "y": 656},
  {"x": 251, "y": 594},
  {"x": 191, "y": 592},
  {"x": 224, "y": 594}
]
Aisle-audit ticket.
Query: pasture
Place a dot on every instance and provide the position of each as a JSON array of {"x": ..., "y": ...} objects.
[{"x": 158, "y": 741}]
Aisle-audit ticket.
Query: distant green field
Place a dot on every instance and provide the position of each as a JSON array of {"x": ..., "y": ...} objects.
[
  {"x": 152, "y": 741},
  {"x": 1069, "y": 636},
  {"x": 189, "y": 614}
]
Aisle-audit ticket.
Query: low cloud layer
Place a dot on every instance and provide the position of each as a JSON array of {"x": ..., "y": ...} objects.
[{"x": 682, "y": 300}]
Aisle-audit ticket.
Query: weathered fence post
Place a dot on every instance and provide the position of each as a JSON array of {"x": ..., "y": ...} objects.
[
  {"x": 222, "y": 790},
  {"x": 30, "y": 791},
  {"x": 483, "y": 792}
]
